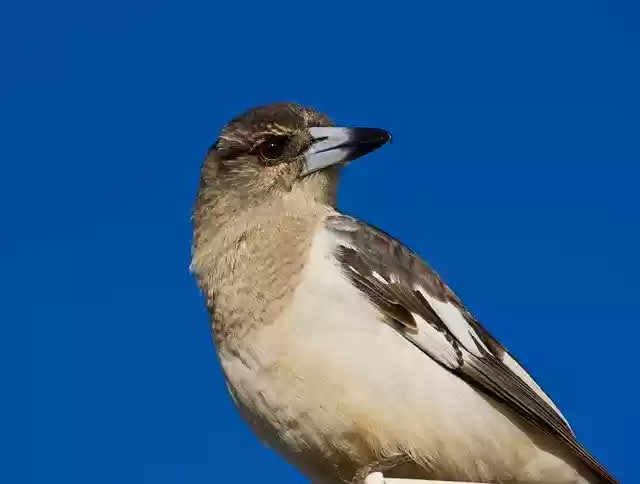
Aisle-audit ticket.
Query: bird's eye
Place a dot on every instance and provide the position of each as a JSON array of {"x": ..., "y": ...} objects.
[{"x": 273, "y": 147}]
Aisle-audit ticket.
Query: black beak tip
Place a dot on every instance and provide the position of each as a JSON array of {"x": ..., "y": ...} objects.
[
  {"x": 384, "y": 136},
  {"x": 366, "y": 140},
  {"x": 372, "y": 138}
]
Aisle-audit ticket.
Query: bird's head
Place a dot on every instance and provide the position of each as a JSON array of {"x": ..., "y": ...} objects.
[{"x": 272, "y": 150}]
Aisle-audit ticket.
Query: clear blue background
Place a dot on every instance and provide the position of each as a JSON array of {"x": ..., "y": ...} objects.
[{"x": 514, "y": 172}]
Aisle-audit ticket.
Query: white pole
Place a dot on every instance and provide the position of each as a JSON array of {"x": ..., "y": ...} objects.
[{"x": 378, "y": 478}]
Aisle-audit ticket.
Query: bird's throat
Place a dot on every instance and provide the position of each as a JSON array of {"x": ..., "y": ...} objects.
[{"x": 249, "y": 269}]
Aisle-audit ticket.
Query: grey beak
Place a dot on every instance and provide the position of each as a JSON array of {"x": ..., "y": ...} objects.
[{"x": 333, "y": 146}]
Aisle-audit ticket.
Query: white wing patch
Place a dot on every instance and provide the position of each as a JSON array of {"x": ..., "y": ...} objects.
[
  {"x": 457, "y": 324},
  {"x": 379, "y": 277},
  {"x": 433, "y": 342},
  {"x": 515, "y": 367}
]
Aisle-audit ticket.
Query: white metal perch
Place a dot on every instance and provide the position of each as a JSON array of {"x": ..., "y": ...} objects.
[{"x": 378, "y": 478}]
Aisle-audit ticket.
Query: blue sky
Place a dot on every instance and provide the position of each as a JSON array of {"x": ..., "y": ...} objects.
[{"x": 514, "y": 171}]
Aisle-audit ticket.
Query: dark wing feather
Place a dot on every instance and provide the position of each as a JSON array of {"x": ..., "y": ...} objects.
[{"x": 403, "y": 286}]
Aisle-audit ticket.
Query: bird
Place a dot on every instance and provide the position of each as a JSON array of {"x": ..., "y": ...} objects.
[{"x": 341, "y": 348}]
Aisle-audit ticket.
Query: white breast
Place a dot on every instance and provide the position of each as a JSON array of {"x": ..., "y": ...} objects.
[{"x": 331, "y": 376}]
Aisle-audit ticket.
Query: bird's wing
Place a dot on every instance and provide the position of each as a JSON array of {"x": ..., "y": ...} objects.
[{"x": 432, "y": 317}]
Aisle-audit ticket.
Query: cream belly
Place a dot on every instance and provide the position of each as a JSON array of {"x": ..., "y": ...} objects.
[
  {"x": 333, "y": 387},
  {"x": 353, "y": 402}
]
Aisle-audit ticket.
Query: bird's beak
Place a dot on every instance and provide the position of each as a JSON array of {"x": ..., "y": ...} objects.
[{"x": 334, "y": 146}]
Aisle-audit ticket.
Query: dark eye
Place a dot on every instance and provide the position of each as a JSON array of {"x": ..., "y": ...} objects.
[{"x": 273, "y": 147}]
